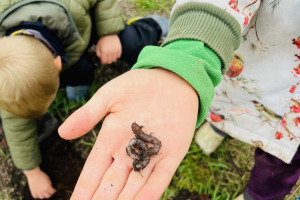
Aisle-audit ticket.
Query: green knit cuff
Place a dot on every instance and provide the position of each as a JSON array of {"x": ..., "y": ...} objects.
[
  {"x": 191, "y": 60},
  {"x": 207, "y": 23}
]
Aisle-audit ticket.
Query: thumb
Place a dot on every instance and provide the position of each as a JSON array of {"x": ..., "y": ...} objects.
[{"x": 85, "y": 118}]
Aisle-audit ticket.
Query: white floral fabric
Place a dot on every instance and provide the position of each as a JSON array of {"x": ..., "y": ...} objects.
[{"x": 258, "y": 100}]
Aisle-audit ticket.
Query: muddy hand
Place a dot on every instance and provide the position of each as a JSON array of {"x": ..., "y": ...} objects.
[{"x": 164, "y": 104}]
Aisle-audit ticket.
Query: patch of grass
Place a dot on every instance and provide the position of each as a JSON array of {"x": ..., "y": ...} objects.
[
  {"x": 4, "y": 153},
  {"x": 223, "y": 175},
  {"x": 61, "y": 107},
  {"x": 295, "y": 192},
  {"x": 86, "y": 143},
  {"x": 6, "y": 196},
  {"x": 4, "y": 157},
  {"x": 9, "y": 190},
  {"x": 150, "y": 6}
]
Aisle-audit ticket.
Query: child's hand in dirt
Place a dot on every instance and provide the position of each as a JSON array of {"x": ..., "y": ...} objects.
[
  {"x": 109, "y": 49},
  {"x": 164, "y": 104},
  {"x": 39, "y": 184}
]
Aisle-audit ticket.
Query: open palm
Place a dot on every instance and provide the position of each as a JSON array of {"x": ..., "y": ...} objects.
[{"x": 165, "y": 104}]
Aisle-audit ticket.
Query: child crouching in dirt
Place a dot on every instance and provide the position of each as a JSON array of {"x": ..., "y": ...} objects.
[
  {"x": 170, "y": 89},
  {"x": 43, "y": 46}
]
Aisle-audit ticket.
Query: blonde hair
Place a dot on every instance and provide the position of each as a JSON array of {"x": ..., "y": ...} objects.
[{"x": 29, "y": 78}]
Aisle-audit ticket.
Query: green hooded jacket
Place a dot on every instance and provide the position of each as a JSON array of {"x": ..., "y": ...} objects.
[{"x": 71, "y": 21}]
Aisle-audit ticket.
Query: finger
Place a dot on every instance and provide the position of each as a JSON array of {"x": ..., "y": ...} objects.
[
  {"x": 120, "y": 53},
  {"x": 35, "y": 196},
  {"x": 96, "y": 165},
  {"x": 108, "y": 60},
  {"x": 136, "y": 180},
  {"x": 159, "y": 179},
  {"x": 117, "y": 55},
  {"x": 52, "y": 191},
  {"x": 114, "y": 180},
  {"x": 112, "y": 57},
  {"x": 104, "y": 59},
  {"x": 39, "y": 196},
  {"x": 47, "y": 195},
  {"x": 86, "y": 117}
]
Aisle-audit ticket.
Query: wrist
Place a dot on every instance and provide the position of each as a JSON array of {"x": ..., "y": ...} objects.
[
  {"x": 31, "y": 171},
  {"x": 195, "y": 63},
  {"x": 176, "y": 77}
]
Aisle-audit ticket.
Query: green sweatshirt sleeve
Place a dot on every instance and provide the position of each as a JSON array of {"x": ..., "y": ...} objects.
[
  {"x": 22, "y": 141},
  {"x": 191, "y": 60},
  {"x": 207, "y": 23},
  {"x": 199, "y": 48}
]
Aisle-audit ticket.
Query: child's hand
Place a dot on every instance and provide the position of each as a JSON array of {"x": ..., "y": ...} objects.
[
  {"x": 109, "y": 49},
  {"x": 39, "y": 184},
  {"x": 165, "y": 104}
]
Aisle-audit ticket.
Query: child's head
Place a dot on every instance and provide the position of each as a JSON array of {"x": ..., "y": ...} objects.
[{"x": 29, "y": 76}]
